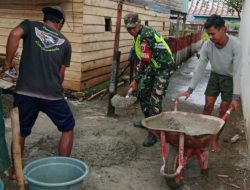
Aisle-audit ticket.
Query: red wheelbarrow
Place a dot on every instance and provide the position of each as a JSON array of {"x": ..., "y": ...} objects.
[{"x": 183, "y": 135}]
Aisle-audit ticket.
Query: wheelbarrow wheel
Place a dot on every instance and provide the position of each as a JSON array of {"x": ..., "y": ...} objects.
[{"x": 171, "y": 165}]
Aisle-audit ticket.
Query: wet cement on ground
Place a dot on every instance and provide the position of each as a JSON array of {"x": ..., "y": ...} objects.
[{"x": 113, "y": 150}]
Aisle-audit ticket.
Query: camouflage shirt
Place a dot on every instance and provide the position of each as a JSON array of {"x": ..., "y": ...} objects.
[{"x": 159, "y": 54}]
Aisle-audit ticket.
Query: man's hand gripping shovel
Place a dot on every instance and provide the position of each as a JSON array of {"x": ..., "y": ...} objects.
[{"x": 119, "y": 101}]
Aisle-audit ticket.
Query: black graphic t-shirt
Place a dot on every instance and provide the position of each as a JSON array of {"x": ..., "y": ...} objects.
[{"x": 44, "y": 51}]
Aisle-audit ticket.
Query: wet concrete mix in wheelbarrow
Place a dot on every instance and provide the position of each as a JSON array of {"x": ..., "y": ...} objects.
[
  {"x": 113, "y": 150},
  {"x": 174, "y": 124},
  {"x": 188, "y": 123}
]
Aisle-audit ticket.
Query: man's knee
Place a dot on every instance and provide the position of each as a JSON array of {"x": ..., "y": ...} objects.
[
  {"x": 208, "y": 108},
  {"x": 223, "y": 108},
  {"x": 68, "y": 133},
  {"x": 209, "y": 105}
]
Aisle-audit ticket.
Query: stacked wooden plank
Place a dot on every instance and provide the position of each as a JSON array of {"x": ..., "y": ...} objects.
[
  {"x": 85, "y": 27},
  {"x": 98, "y": 44},
  {"x": 12, "y": 12}
]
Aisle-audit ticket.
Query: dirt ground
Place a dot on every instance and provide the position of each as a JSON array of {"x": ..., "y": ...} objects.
[{"x": 112, "y": 147}]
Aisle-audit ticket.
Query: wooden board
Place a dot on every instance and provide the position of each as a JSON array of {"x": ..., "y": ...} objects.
[
  {"x": 95, "y": 81},
  {"x": 99, "y": 71},
  {"x": 106, "y": 36},
  {"x": 94, "y": 46},
  {"x": 89, "y": 56},
  {"x": 87, "y": 66},
  {"x": 73, "y": 85}
]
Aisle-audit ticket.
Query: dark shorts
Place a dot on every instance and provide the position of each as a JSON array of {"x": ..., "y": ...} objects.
[
  {"x": 57, "y": 110},
  {"x": 220, "y": 84}
]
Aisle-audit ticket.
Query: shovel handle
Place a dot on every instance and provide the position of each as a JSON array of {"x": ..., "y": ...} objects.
[
  {"x": 175, "y": 103},
  {"x": 16, "y": 148},
  {"x": 130, "y": 91}
]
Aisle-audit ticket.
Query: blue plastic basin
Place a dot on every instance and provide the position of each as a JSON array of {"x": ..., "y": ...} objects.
[
  {"x": 56, "y": 173},
  {"x": 1, "y": 185}
]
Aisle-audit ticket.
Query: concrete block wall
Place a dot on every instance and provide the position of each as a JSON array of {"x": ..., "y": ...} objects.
[{"x": 245, "y": 76}]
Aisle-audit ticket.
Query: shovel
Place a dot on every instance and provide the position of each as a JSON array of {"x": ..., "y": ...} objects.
[{"x": 119, "y": 101}]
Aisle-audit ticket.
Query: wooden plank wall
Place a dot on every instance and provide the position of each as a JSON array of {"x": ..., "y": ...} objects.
[
  {"x": 12, "y": 12},
  {"x": 97, "y": 44},
  {"x": 92, "y": 46}
]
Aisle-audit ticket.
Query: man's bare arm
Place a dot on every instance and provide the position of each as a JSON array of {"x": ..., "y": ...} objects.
[
  {"x": 62, "y": 72},
  {"x": 12, "y": 45}
]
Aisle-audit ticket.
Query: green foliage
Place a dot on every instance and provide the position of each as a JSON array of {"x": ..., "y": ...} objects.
[
  {"x": 237, "y": 27},
  {"x": 232, "y": 25},
  {"x": 187, "y": 30},
  {"x": 235, "y": 5}
]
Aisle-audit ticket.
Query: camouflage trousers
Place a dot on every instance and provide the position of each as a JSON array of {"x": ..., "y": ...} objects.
[{"x": 150, "y": 94}]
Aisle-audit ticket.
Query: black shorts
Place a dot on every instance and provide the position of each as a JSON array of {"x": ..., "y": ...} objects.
[
  {"x": 220, "y": 84},
  {"x": 57, "y": 110}
]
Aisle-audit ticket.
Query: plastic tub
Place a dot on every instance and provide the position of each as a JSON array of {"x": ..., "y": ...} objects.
[
  {"x": 56, "y": 173},
  {"x": 1, "y": 185}
]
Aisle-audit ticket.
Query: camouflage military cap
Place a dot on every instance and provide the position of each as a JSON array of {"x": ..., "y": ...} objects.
[{"x": 131, "y": 20}]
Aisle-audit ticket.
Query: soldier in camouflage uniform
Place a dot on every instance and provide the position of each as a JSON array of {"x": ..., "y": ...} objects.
[{"x": 153, "y": 70}]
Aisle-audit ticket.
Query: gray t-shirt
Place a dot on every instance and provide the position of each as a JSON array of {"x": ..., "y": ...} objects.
[
  {"x": 224, "y": 61},
  {"x": 44, "y": 51}
]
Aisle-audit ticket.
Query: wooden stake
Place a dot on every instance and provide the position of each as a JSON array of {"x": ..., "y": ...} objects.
[
  {"x": 16, "y": 148},
  {"x": 116, "y": 61}
]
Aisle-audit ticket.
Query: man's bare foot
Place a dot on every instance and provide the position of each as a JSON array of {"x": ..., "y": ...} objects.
[{"x": 215, "y": 147}]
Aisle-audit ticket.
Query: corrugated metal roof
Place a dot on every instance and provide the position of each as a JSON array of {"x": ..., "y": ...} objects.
[
  {"x": 157, "y": 8},
  {"x": 209, "y": 7},
  {"x": 162, "y": 6},
  {"x": 154, "y": 6}
]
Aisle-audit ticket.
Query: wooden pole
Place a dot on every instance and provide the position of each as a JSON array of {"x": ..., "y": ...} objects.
[
  {"x": 116, "y": 60},
  {"x": 16, "y": 148}
]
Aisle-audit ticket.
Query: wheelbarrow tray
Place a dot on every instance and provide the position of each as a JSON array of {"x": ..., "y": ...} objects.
[{"x": 197, "y": 128}]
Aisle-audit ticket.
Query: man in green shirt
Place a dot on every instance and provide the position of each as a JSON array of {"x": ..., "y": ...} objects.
[{"x": 153, "y": 70}]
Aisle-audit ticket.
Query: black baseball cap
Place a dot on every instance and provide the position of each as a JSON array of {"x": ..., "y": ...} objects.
[{"x": 55, "y": 11}]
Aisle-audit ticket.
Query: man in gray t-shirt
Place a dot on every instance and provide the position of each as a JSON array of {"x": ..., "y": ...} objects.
[
  {"x": 223, "y": 52},
  {"x": 46, "y": 54}
]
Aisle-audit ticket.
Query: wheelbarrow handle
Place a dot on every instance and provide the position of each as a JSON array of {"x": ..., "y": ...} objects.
[
  {"x": 175, "y": 103},
  {"x": 226, "y": 115}
]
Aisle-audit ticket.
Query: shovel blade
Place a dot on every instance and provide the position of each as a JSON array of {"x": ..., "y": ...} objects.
[{"x": 119, "y": 101}]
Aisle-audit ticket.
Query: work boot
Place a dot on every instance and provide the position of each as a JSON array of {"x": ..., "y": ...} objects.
[
  {"x": 150, "y": 140},
  {"x": 138, "y": 124}
]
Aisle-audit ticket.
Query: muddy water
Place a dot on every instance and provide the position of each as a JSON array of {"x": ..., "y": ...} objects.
[{"x": 189, "y": 123}]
